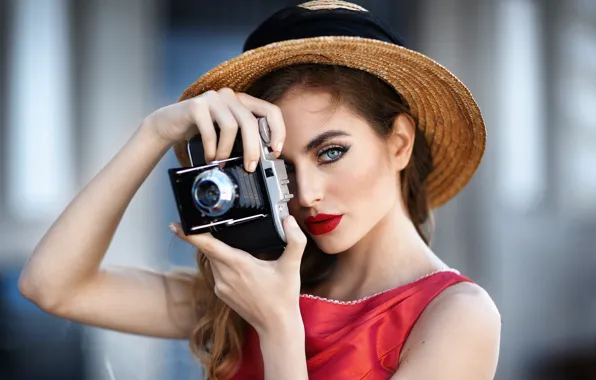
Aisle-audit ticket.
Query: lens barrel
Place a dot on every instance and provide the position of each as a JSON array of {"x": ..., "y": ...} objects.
[{"x": 214, "y": 192}]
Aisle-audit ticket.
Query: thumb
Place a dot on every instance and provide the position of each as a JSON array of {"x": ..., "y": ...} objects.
[
  {"x": 296, "y": 241},
  {"x": 198, "y": 240}
]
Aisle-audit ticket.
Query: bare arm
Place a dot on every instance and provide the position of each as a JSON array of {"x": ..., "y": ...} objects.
[{"x": 63, "y": 275}]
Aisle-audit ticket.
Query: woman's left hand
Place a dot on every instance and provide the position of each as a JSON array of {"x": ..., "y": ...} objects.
[{"x": 264, "y": 293}]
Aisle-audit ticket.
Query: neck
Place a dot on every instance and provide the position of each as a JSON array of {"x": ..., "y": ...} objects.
[{"x": 392, "y": 254}]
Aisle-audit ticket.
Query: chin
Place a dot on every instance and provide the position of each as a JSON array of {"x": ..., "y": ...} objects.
[
  {"x": 337, "y": 241},
  {"x": 330, "y": 248}
]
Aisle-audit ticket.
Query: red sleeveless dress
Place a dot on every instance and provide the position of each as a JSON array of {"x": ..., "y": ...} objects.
[{"x": 356, "y": 339}]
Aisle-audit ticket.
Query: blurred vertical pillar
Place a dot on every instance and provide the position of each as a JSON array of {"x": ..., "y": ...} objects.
[
  {"x": 40, "y": 166},
  {"x": 462, "y": 35},
  {"x": 116, "y": 77}
]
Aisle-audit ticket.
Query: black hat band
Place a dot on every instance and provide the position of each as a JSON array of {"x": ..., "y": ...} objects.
[{"x": 296, "y": 22}]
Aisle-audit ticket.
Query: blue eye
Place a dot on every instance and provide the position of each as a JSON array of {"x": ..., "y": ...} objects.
[{"x": 332, "y": 154}]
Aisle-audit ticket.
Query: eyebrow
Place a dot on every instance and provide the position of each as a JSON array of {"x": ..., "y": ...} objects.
[{"x": 322, "y": 138}]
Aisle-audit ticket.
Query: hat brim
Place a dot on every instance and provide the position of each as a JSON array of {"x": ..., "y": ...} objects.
[{"x": 444, "y": 108}]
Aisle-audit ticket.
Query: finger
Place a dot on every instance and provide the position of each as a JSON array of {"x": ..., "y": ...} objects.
[
  {"x": 273, "y": 115},
  {"x": 214, "y": 249},
  {"x": 202, "y": 118},
  {"x": 296, "y": 242},
  {"x": 228, "y": 126},
  {"x": 248, "y": 128}
]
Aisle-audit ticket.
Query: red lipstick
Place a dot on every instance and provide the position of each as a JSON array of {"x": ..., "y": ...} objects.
[{"x": 322, "y": 223}]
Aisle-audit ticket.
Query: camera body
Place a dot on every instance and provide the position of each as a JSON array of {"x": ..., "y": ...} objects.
[{"x": 244, "y": 210}]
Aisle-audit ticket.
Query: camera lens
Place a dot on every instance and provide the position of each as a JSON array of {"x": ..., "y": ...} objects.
[
  {"x": 214, "y": 192},
  {"x": 207, "y": 193}
]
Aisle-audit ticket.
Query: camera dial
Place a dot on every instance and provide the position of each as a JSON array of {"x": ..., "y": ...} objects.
[{"x": 214, "y": 192}]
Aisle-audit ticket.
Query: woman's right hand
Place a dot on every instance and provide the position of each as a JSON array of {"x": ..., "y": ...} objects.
[{"x": 231, "y": 111}]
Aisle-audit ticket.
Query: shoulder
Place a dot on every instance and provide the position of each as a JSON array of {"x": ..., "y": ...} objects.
[
  {"x": 459, "y": 331},
  {"x": 465, "y": 302},
  {"x": 462, "y": 311}
]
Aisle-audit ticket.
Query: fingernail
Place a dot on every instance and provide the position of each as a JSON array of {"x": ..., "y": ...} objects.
[
  {"x": 279, "y": 146},
  {"x": 252, "y": 166},
  {"x": 173, "y": 228}
]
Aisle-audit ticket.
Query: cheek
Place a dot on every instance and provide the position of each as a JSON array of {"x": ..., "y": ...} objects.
[
  {"x": 366, "y": 184},
  {"x": 366, "y": 191},
  {"x": 365, "y": 178}
]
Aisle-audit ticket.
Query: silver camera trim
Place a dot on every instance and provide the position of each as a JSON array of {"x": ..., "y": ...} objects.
[
  {"x": 229, "y": 222},
  {"x": 227, "y": 192},
  {"x": 277, "y": 184}
]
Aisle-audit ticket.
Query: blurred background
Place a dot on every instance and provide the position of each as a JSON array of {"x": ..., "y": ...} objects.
[{"x": 78, "y": 76}]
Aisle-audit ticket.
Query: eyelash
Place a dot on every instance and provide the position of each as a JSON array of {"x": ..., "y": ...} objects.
[{"x": 343, "y": 149}]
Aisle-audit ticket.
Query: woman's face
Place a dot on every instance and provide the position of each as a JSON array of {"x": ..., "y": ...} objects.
[{"x": 338, "y": 166}]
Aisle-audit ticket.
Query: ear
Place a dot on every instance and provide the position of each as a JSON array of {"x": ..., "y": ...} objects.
[{"x": 401, "y": 141}]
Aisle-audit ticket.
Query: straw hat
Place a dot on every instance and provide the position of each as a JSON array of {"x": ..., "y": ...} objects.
[{"x": 342, "y": 33}]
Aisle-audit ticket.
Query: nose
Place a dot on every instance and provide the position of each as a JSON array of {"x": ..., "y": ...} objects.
[{"x": 309, "y": 188}]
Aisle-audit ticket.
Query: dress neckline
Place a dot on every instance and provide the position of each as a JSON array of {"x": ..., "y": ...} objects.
[{"x": 359, "y": 300}]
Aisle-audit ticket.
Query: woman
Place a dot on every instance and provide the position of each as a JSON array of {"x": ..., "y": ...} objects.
[{"x": 374, "y": 136}]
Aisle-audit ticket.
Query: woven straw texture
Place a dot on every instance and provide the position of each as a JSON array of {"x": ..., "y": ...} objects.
[
  {"x": 331, "y": 4},
  {"x": 445, "y": 109}
]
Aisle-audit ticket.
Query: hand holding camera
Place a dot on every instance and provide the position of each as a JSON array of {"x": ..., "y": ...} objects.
[
  {"x": 236, "y": 187},
  {"x": 264, "y": 293},
  {"x": 231, "y": 112},
  {"x": 233, "y": 199}
]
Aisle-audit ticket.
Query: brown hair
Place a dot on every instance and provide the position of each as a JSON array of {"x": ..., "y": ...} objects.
[{"x": 218, "y": 337}]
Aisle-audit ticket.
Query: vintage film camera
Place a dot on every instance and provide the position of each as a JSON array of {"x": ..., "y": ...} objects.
[{"x": 244, "y": 210}]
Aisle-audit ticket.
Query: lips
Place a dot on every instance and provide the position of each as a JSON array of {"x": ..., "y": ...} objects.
[{"x": 322, "y": 223}]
